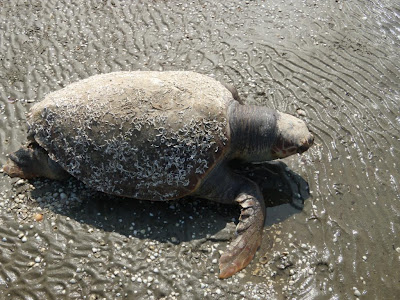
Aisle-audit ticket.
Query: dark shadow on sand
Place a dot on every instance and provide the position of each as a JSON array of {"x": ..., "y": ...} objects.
[{"x": 174, "y": 221}]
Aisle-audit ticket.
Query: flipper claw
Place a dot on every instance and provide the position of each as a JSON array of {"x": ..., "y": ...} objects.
[{"x": 249, "y": 234}]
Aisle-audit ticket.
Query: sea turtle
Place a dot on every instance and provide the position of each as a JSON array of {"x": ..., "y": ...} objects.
[{"x": 160, "y": 136}]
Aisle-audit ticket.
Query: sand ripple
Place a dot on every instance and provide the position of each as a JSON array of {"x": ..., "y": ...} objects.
[{"x": 338, "y": 61}]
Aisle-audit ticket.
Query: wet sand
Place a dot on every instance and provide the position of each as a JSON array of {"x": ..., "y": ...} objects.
[{"x": 334, "y": 64}]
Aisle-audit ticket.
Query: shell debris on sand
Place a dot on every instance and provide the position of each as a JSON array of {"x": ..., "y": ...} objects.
[
  {"x": 293, "y": 267},
  {"x": 38, "y": 217},
  {"x": 338, "y": 61}
]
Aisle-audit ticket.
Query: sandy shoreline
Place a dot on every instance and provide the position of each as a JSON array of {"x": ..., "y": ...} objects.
[{"x": 337, "y": 63}]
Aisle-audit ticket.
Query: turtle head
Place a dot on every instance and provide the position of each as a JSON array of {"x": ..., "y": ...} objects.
[
  {"x": 260, "y": 134},
  {"x": 292, "y": 136}
]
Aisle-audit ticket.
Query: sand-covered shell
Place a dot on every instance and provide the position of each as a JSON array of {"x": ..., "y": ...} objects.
[{"x": 147, "y": 135}]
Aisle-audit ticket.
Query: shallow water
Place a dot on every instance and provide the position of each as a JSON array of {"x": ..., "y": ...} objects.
[{"x": 335, "y": 62}]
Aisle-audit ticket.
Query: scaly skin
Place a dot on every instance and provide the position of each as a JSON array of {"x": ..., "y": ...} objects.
[{"x": 249, "y": 235}]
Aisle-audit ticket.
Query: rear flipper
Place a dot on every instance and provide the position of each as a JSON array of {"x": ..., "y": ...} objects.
[{"x": 33, "y": 161}]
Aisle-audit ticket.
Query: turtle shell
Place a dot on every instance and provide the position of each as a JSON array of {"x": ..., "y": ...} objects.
[{"x": 146, "y": 135}]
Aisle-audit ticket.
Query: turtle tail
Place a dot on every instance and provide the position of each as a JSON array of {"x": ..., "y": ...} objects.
[{"x": 33, "y": 161}]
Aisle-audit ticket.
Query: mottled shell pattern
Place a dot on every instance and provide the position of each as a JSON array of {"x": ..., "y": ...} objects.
[{"x": 146, "y": 135}]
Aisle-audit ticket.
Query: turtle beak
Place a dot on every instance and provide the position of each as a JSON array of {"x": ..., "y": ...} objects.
[{"x": 307, "y": 144}]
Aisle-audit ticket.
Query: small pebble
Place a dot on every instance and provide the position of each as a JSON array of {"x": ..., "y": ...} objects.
[
  {"x": 20, "y": 182},
  {"x": 357, "y": 293},
  {"x": 24, "y": 239},
  {"x": 38, "y": 217},
  {"x": 398, "y": 249},
  {"x": 38, "y": 259},
  {"x": 301, "y": 112}
]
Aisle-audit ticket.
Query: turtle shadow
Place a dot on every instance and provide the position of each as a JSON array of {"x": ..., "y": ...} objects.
[{"x": 182, "y": 220}]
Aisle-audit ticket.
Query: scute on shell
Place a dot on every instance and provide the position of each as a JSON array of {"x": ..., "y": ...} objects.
[{"x": 147, "y": 135}]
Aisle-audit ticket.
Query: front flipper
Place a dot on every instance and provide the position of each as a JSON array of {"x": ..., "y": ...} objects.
[
  {"x": 227, "y": 187},
  {"x": 249, "y": 235},
  {"x": 233, "y": 91}
]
